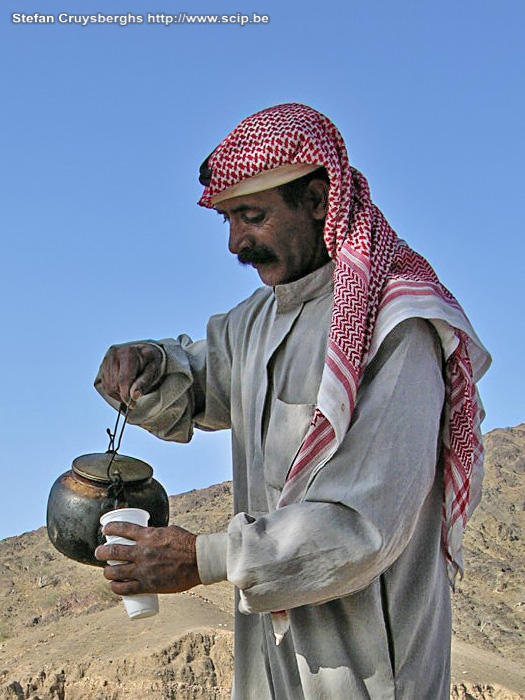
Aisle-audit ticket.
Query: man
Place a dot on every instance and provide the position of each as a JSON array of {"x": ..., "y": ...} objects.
[{"x": 348, "y": 382}]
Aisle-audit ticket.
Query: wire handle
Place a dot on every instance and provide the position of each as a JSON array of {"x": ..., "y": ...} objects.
[
  {"x": 116, "y": 479},
  {"x": 122, "y": 411}
]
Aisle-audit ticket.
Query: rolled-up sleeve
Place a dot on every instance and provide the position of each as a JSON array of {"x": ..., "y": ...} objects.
[{"x": 362, "y": 507}]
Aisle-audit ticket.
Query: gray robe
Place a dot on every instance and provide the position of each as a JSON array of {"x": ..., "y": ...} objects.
[{"x": 359, "y": 563}]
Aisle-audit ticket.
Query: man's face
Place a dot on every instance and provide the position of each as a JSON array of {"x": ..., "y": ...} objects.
[{"x": 283, "y": 244}]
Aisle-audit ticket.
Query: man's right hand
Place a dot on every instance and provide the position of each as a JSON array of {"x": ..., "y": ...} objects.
[{"x": 131, "y": 370}]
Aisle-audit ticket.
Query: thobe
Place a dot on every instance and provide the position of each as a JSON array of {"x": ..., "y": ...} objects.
[{"x": 359, "y": 563}]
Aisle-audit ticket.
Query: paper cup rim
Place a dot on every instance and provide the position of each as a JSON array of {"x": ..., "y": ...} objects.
[{"x": 124, "y": 512}]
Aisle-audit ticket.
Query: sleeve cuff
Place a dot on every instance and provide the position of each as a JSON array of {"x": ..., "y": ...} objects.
[{"x": 211, "y": 557}]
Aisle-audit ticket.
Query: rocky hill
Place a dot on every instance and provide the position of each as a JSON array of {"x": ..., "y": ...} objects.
[
  {"x": 489, "y": 604},
  {"x": 65, "y": 636}
]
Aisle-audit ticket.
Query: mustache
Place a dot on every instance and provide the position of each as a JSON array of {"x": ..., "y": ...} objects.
[{"x": 257, "y": 254}]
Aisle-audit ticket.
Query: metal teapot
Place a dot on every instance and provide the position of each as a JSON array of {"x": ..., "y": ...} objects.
[{"x": 96, "y": 484}]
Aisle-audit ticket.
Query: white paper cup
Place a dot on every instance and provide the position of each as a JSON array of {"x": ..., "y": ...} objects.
[
  {"x": 143, "y": 604},
  {"x": 137, "y": 516}
]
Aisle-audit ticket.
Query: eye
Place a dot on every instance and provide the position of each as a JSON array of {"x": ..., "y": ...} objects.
[{"x": 256, "y": 218}]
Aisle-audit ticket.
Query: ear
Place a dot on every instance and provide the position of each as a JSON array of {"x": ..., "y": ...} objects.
[{"x": 317, "y": 194}]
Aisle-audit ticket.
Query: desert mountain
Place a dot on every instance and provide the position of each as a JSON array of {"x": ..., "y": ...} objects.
[{"x": 65, "y": 636}]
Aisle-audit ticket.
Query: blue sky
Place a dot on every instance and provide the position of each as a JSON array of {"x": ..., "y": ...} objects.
[{"x": 104, "y": 128}]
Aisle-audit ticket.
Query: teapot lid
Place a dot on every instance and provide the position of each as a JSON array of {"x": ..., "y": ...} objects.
[{"x": 96, "y": 466}]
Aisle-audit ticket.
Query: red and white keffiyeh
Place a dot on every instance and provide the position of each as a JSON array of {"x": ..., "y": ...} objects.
[{"x": 378, "y": 282}]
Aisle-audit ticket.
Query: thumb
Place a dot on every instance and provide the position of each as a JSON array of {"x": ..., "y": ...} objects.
[
  {"x": 136, "y": 391},
  {"x": 150, "y": 374}
]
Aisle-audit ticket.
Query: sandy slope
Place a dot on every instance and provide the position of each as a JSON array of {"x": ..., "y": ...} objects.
[
  {"x": 187, "y": 648},
  {"x": 477, "y": 666}
]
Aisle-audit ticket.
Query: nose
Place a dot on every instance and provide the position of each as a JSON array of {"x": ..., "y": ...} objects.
[{"x": 238, "y": 237}]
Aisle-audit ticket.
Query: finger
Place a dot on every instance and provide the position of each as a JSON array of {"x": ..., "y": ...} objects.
[
  {"x": 150, "y": 371},
  {"x": 126, "y": 587},
  {"x": 101, "y": 552},
  {"x": 143, "y": 383},
  {"x": 129, "y": 530},
  {"x": 119, "y": 572},
  {"x": 115, "y": 552},
  {"x": 109, "y": 370},
  {"x": 130, "y": 368}
]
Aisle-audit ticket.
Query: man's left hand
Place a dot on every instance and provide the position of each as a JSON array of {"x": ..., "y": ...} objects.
[{"x": 163, "y": 560}]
